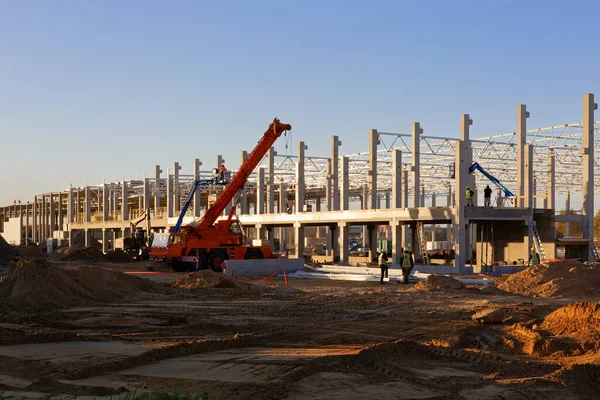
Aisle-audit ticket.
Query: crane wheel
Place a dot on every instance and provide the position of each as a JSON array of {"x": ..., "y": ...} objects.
[
  {"x": 215, "y": 260},
  {"x": 253, "y": 254}
]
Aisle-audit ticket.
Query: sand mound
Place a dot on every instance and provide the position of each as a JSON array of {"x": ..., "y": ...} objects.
[
  {"x": 199, "y": 279},
  {"x": 7, "y": 252},
  {"x": 438, "y": 282},
  {"x": 78, "y": 253},
  {"x": 561, "y": 279},
  {"x": 36, "y": 285},
  {"x": 575, "y": 319}
]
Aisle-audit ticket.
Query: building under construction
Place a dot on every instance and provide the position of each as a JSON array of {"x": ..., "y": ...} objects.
[{"x": 407, "y": 189}]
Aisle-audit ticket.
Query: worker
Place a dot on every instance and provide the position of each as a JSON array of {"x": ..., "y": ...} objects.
[
  {"x": 407, "y": 265},
  {"x": 487, "y": 196},
  {"x": 469, "y": 196},
  {"x": 222, "y": 171},
  {"x": 534, "y": 257},
  {"x": 383, "y": 264}
]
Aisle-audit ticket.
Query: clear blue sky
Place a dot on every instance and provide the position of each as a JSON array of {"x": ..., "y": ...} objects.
[{"x": 92, "y": 90}]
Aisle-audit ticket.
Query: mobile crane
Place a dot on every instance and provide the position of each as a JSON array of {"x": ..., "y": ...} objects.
[{"x": 210, "y": 242}]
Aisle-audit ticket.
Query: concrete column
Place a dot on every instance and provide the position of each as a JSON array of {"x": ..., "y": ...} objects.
[
  {"x": 567, "y": 209},
  {"x": 88, "y": 204},
  {"x": 551, "y": 189},
  {"x": 157, "y": 172},
  {"x": 365, "y": 206},
  {"x": 345, "y": 192},
  {"x": 300, "y": 184},
  {"x": 299, "y": 236},
  {"x": 244, "y": 192},
  {"x": 271, "y": 181},
  {"x": 104, "y": 204},
  {"x": 170, "y": 205},
  {"x": 282, "y": 209},
  {"x": 461, "y": 223},
  {"x": 587, "y": 133},
  {"x": 396, "y": 178},
  {"x": 449, "y": 203},
  {"x": 176, "y": 196},
  {"x": 260, "y": 191},
  {"x": 372, "y": 172},
  {"x": 105, "y": 240},
  {"x": 146, "y": 194},
  {"x": 344, "y": 229},
  {"x": 328, "y": 195},
  {"x": 372, "y": 241},
  {"x": 61, "y": 215},
  {"x": 396, "y": 229},
  {"x": 405, "y": 205},
  {"x": 422, "y": 194},
  {"x": 522, "y": 115},
  {"x": 198, "y": 193},
  {"x": 334, "y": 172},
  {"x": 34, "y": 225},
  {"x": 52, "y": 215},
  {"x": 220, "y": 161},
  {"x": 416, "y": 162},
  {"x": 43, "y": 219},
  {"x": 125, "y": 203},
  {"x": 528, "y": 176}
]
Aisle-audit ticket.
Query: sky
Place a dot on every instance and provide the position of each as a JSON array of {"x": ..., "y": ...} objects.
[{"x": 101, "y": 90}]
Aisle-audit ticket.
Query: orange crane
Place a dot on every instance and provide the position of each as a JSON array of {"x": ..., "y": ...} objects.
[{"x": 211, "y": 242}]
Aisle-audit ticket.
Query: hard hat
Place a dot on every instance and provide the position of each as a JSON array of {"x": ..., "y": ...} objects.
[
  {"x": 533, "y": 248},
  {"x": 468, "y": 187}
]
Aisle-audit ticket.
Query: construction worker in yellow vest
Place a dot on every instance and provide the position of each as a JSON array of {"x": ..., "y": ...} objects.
[
  {"x": 406, "y": 265},
  {"x": 469, "y": 196},
  {"x": 534, "y": 257}
]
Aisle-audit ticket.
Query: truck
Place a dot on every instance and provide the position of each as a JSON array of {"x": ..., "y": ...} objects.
[{"x": 209, "y": 243}]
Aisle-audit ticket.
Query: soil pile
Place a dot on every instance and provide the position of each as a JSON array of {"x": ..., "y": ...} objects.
[
  {"x": 438, "y": 282},
  {"x": 7, "y": 252},
  {"x": 78, "y": 253},
  {"x": 32, "y": 251},
  {"x": 36, "y": 286},
  {"x": 560, "y": 279},
  {"x": 199, "y": 279},
  {"x": 576, "y": 319}
]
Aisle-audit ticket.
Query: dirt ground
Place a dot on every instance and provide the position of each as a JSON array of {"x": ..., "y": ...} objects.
[{"x": 326, "y": 340}]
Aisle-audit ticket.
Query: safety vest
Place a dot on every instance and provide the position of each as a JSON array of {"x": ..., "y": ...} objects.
[
  {"x": 535, "y": 258},
  {"x": 468, "y": 193},
  {"x": 406, "y": 260},
  {"x": 382, "y": 260}
]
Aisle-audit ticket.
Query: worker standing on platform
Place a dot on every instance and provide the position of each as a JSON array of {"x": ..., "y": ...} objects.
[
  {"x": 487, "y": 195},
  {"x": 407, "y": 265},
  {"x": 534, "y": 257},
  {"x": 469, "y": 196},
  {"x": 222, "y": 171},
  {"x": 383, "y": 259}
]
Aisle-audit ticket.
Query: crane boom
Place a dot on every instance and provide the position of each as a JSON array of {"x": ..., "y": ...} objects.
[
  {"x": 494, "y": 180},
  {"x": 276, "y": 128}
]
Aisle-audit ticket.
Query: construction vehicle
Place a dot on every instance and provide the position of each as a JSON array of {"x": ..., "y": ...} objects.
[
  {"x": 138, "y": 243},
  {"x": 209, "y": 243}
]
